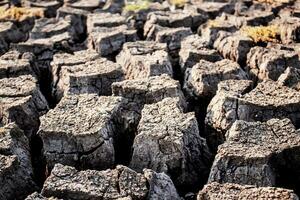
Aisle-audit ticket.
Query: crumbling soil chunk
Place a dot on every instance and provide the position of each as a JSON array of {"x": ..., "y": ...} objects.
[
  {"x": 84, "y": 72},
  {"x": 255, "y": 154},
  {"x": 168, "y": 141},
  {"x": 119, "y": 183},
  {"x": 233, "y": 46},
  {"x": 228, "y": 191},
  {"x": 15, "y": 68},
  {"x": 22, "y": 102},
  {"x": 269, "y": 63},
  {"x": 80, "y": 131},
  {"x": 193, "y": 49},
  {"x": 139, "y": 92},
  {"x": 290, "y": 78},
  {"x": 266, "y": 101},
  {"x": 16, "y": 173},
  {"x": 201, "y": 81},
  {"x": 144, "y": 59}
]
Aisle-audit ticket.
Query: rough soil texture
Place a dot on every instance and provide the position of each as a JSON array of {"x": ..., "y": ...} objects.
[
  {"x": 118, "y": 183},
  {"x": 214, "y": 191},
  {"x": 149, "y": 99}
]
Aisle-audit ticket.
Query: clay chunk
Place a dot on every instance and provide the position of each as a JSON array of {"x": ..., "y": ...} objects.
[
  {"x": 80, "y": 131},
  {"x": 9, "y": 32},
  {"x": 87, "y": 5},
  {"x": 193, "y": 49},
  {"x": 143, "y": 59},
  {"x": 16, "y": 173},
  {"x": 139, "y": 92},
  {"x": 84, "y": 72},
  {"x": 168, "y": 141},
  {"x": 270, "y": 63},
  {"x": 50, "y": 7},
  {"x": 148, "y": 90},
  {"x": 213, "y": 9},
  {"x": 201, "y": 81},
  {"x": 177, "y": 18},
  {"x": 22, "y": 102},
  {"x": 119, "y": 183},
  {"x": 290, "y": 78},
  {"x": 233, "y": 46},
  {"x": 52, "y": 28},
  {"x": 109, "y": 40},
  {"x": 237, "y": 100},
  {"x": 14, "y": 68},
  {"x": 107, "y": 32},
  {"x": 255, "y": 154},
  {"x": 37, "y": 196},
  {"x": 104, "y": 20},
  {"x": 171, "y": 36},
  {"x": 228, "y": 191}
]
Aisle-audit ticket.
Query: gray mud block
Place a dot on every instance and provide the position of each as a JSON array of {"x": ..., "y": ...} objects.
[
  {"x": 229, "y": 191},
  {"x": 201, "y": 81},
  {"x": 255, "y": 153},
  {"x": 16, "y": 173},
  {"x": 168, "y": 141},
  {"x": 22, "y": 102},
  {"x": 80, "y": 131},
  {"x": 120, "y": 183},
  {"x": 269, "y": 63},
  {"x": 143, "y": 59}
]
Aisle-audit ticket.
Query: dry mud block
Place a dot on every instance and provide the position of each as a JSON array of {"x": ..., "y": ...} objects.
[
  {"x": 193, "y": 49},
  {"x": 209, "y": 30},
  {"x": 290, "y": 78},
  {"x": 233, "y": 46},
  {"x": 84, "y": 72},
  {"x": 16, "y": 174},
  {"x": 108, "y": 32},
  {"x": 50, "y": 7},
  {"x": 21, "y": 102},
  {"x": 289, "y": 29},
  {"x": 168, "y": 141},
  {"x": 109, "y": 40},
  {"x": 41, "y": 49},
  {"x": 259, "y": 153},
  {"x": 104, "y": 20},
  {"x": 37, "y": 196},
  {"x": 230, "y": 191},
  {"x": 138, "y": 17},
  {"x": 120, "y": 183},
  {"x": 269, "y": 63},
  {"x": 87, "y": 5},
  {"x": 9, "y": 32},
  {"x": 251, "y": 18},
  {"x": 171, "y": 36},
  {"x": 80, "y": 131},
  {"x": 236, "y": 100},
  {"x": 274, "y": 6},
  {"x": 213, "y": 9},
  {"x": 53, "y": 28},
  {"x": 143, "y": 59},
  {"x": 201, "y": 81},
  {"x": 14, "y": 68},
  {"x": 143, "y": 91},
  {"x": 78, "y": 19},
  {"x": 176, "y": 18},
  {"x": 66, "y": 59}
]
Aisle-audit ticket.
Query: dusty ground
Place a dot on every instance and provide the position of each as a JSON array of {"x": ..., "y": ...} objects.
[{"x": 159, "y": 100}]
